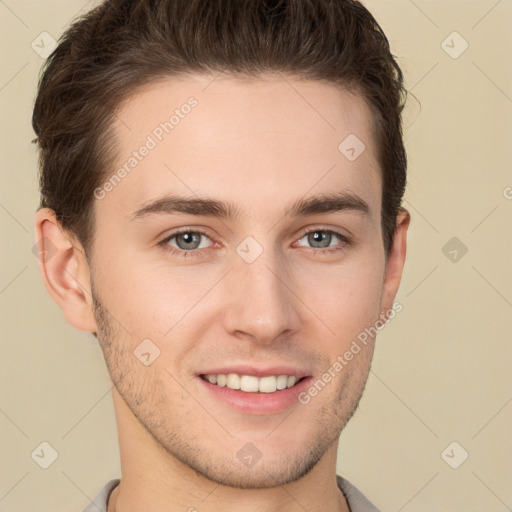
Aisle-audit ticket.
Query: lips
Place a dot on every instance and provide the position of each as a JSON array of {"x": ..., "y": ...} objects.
[{"x": 254, "y": 403}]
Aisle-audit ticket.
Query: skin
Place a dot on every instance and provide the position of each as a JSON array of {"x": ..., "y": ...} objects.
[{"x": 259, "y": 144}]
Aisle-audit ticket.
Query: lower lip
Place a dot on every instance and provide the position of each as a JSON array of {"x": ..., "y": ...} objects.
[{"x": 257, "y": 403}]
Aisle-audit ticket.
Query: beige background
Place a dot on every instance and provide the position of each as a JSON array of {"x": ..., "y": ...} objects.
[{"x": 442, "y": 368}]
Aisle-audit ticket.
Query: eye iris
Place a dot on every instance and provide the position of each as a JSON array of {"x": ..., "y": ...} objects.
[
  {"x": 323, "y": 238},
  {"x": 190, "y": 238}
]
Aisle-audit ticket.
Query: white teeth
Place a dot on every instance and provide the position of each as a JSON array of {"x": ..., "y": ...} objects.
[
  {"x": 267, "y": 384},
  {"x": 251, "y": 383},
  {"x": 281, "y": 381},
  {"x": 233, "y": 381},
  {"x": 291, "y": 381}
]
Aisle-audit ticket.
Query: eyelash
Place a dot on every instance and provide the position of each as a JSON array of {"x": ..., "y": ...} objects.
[{"x": 345, "y": 241}]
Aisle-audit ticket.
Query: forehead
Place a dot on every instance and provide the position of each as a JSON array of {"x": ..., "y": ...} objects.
[{"x": 251, "y": 139}]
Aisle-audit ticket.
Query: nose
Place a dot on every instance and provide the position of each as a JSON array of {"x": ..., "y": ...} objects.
[{"x": 262, "y": 305}]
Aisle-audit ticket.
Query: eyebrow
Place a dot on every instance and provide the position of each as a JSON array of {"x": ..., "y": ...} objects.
[{"x": 323, "y": 203}]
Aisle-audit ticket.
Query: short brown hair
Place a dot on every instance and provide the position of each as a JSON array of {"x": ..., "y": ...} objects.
[{"x": 121, "y": 45}]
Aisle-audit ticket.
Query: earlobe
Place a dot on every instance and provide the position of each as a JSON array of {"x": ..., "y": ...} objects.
[
  {"x": 395, "y": 261},
  {"x": 65, "y": 270}
]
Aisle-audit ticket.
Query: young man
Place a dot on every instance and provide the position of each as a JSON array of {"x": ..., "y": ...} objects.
[{"x": 221, "y": 186}]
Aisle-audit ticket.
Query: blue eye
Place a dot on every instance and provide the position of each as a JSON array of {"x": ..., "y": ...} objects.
[
  {"x": 186, "y": 241},
  {"x": 323, "y": 237}
]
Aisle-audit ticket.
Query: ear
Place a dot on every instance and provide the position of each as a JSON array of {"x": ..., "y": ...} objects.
[
  {"x": 395, "y": 261},
  {"x": 65, "y": 270}
]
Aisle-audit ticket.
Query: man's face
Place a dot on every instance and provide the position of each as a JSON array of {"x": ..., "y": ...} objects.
[{"x": 247, "y": 290}]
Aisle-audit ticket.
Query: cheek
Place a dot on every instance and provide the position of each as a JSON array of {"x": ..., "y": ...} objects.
[
  {"x": 154, "y": 300},
  {"x": 346, "y": 299}
]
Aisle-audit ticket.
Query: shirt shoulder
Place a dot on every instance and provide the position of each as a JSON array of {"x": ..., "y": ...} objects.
[
  {"x": 356, "y": 500},
  {"x": 99, "y": 503}
]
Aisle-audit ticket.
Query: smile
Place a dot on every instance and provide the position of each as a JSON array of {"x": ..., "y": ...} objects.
[{"x": 251, "y": 383}]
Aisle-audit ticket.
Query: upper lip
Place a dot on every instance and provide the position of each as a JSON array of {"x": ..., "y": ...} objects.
[{"x": 245, "y": 369}]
